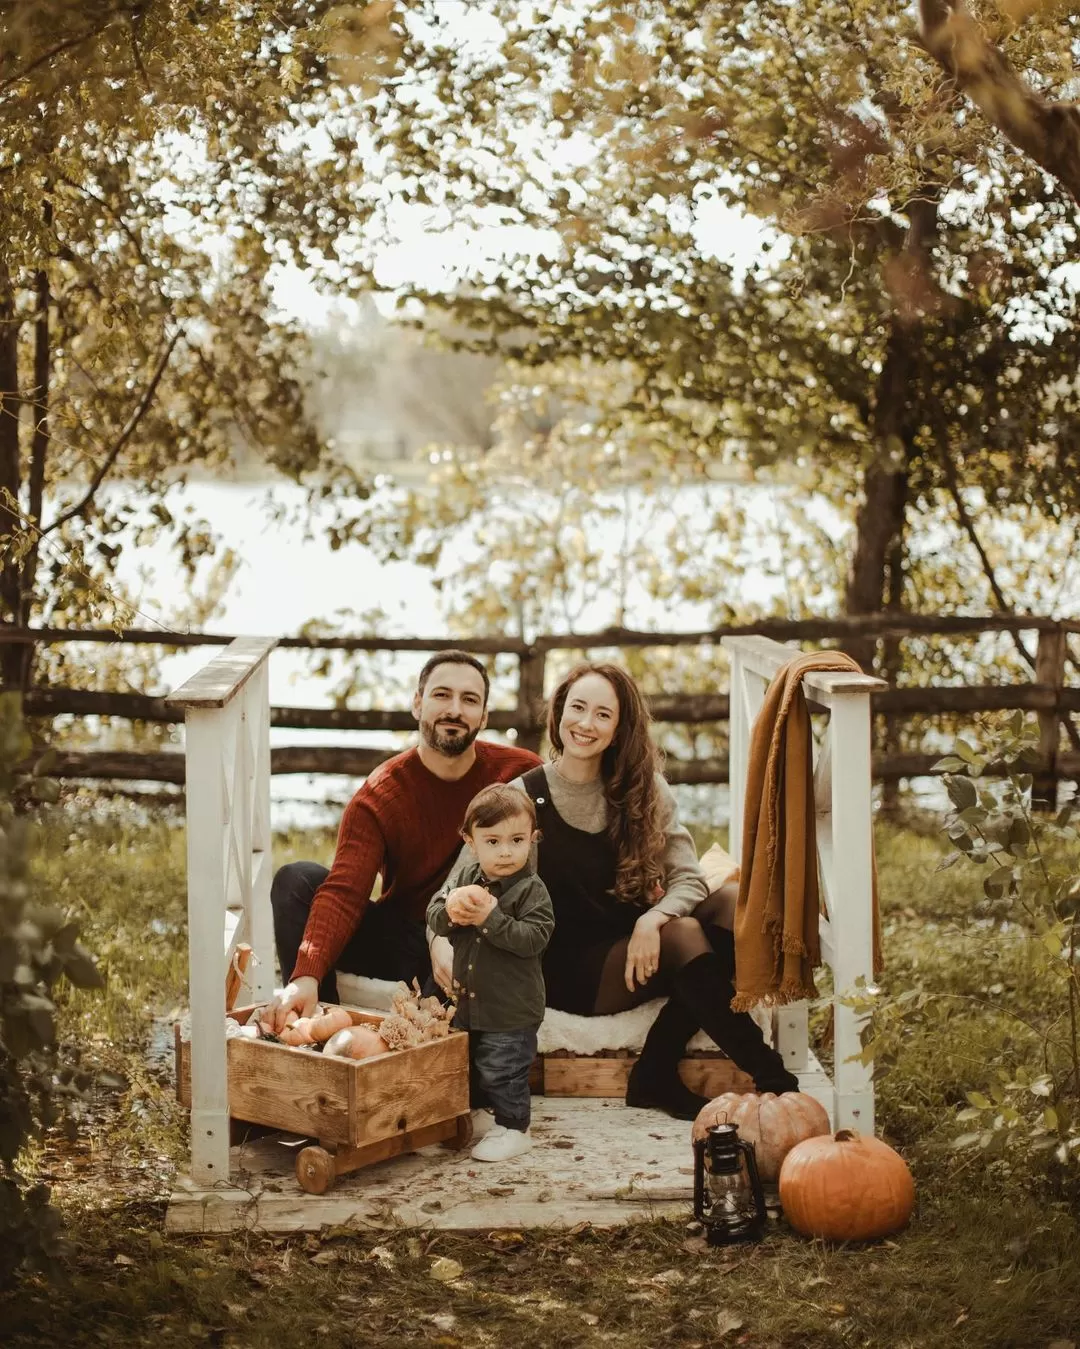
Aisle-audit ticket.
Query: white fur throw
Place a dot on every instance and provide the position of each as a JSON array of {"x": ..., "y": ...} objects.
[{"x": 560, "y": 1030}]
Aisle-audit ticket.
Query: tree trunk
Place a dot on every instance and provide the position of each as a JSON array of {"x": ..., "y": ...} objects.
[
  {"x": 11, "y": 658},
  {"x": 879, "y": 524}
]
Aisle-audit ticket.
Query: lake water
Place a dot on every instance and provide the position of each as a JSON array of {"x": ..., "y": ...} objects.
[{"x": 288, "y": 575}]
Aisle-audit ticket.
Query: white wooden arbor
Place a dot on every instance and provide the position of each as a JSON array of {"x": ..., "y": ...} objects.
[
  {"x": 844, "y": 821},
  {"x": 227, "y": 747},
  {"x": 229, "y": 866}
]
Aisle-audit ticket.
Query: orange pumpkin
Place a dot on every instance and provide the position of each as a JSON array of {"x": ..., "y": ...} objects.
[
  {"x": 774, "y": 1124},
  {"x": 358, "y": 1042},
  {"x": 846, "y": 1187}
]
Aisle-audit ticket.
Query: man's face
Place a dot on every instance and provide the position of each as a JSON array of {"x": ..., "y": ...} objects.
[{"x": 451, "y": 709}]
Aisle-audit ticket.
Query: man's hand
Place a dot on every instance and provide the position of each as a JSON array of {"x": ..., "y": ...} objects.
[
  {"x": 300, "y": 997},
  {"x": 468, "y": 905},
  {"x": 643, "y": 952},
  {"x": 442, "y": 963}
]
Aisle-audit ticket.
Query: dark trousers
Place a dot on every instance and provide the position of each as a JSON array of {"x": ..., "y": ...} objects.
[
  {"x": 386, "y": 945},
  {"x": 499, "y": 1063}
]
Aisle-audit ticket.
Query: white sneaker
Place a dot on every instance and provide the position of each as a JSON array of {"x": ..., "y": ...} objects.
[{"x": 499, "y": 1144}]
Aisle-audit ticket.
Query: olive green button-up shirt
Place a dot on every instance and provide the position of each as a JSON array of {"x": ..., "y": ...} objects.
[{"x": 497, "y": 965}]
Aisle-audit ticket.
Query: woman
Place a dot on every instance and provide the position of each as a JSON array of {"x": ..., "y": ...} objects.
[{"x": 632, "y": 921}]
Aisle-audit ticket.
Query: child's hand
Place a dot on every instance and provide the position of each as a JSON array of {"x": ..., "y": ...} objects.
[
  {"x": 483, "y": 905},
  {"x": 463, "y": 903}
]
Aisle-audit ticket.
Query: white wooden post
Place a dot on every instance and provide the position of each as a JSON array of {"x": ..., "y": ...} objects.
[
  {"x": 843, "y": 812},
  {"x": 850, "y": 889},
  {"x": 738, "y": 753},
  {"x": 227, "y": 792}
]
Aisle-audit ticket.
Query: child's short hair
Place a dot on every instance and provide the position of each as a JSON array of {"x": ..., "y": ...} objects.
[{"x": 496, "y": 803}]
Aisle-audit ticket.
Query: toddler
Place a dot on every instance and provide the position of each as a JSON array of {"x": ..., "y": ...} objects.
[{"x": 497, "y": 914}]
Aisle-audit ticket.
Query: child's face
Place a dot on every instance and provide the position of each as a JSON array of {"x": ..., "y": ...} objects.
[{"x": 503, "y": 848}]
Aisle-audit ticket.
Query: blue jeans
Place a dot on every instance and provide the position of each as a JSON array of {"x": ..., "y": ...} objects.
[{"x": 499, "y": 1063}]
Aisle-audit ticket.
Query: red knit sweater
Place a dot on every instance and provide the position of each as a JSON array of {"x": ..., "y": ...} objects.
[{"x": 403, "y": 822}]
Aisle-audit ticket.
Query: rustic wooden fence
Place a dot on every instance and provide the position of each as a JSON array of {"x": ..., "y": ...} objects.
[{"x": 1052, "y": 693}]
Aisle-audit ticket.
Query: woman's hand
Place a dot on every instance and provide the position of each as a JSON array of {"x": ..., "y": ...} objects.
[
  {"x": 643, "y": 953},
  {"x": 442, "y": 963}
]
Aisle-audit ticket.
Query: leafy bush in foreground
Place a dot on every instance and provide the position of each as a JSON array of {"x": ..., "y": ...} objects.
[{"x": 37, "y": 946}]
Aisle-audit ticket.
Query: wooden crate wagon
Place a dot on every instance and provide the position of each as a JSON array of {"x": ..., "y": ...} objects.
[{"x": 359, "y": 1111}]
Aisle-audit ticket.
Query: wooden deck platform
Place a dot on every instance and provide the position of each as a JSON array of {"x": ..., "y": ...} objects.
[{"x": 594, "y": 1161}]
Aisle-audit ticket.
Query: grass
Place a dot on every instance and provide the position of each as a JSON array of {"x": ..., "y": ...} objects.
[{"x": 989, "y": 1259}]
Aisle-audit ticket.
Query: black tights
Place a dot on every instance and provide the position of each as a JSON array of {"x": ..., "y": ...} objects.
[{"x": 681, "y": 940}]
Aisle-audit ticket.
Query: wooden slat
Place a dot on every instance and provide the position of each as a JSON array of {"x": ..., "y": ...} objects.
[
  {"x": 892, "y": 624},
  {"x": 217, "y": 683},
  {"x": 583, "y": 1075}
]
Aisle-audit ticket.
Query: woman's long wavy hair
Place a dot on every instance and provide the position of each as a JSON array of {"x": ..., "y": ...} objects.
[{"x": 628, "y": 767}]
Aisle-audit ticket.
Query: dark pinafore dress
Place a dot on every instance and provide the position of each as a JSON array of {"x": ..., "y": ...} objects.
[{"x": 578, "y": 869}]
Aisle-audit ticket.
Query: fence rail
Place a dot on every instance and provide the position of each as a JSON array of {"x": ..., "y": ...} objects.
[{"x": 1049, "y": 694}]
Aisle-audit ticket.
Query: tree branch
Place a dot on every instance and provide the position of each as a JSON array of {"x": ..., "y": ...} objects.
[
  {"x": 122, "y": 439},
  {"x": 1047, "y": 132},
  {"x": 68, "y": 43}
]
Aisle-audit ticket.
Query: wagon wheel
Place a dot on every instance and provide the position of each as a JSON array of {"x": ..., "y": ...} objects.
[
  {"x": 462, "y": 1136},
  {"x": 315, "y": 1170}
]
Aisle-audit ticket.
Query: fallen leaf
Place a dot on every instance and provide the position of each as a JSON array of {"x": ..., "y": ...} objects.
[
  {"x": 324, "y": 1258},
  {"x": 432, "y": 1206},
  {"x": 838, "y": 1308},
  {"x": 124, "y": 1260},
  {"x": 726, "y": 1322},
  {"x": 507, "y": 1239},
  {"x": 500, "y": 1189},
  {"x": 442, "y": 1320},
  {"x": 695, "y": 1245},
  {"x": 383, "y": 1255},
  {"x": 446, "y": 1270},
  {"x": 578, "y": 1228},
  {"x": 960, "y": 1319},
  {"x": 236, "y": 1309},
  {"x": 564, "y": 1143},
  {"x": 668, "y": 1277},
  {"x": 815, "y": 1282},
  {"x": 573, "y": 1261},
  {"x": 590, "y": 1319}
]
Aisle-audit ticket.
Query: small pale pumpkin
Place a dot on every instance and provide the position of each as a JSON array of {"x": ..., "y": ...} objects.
[
  {"x": 357, "y": 1042},
  {"x": 774, "y": 1124},
  {"x": 846, "y": 1187}
]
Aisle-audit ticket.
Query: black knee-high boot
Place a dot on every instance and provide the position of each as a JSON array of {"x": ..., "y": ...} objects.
[
  {"x": 704, "y": 987},
  {"x": 654, "y": 1082}
]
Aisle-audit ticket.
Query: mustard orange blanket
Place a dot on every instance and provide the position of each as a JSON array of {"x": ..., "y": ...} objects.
[{"x": 777, "y": 947}]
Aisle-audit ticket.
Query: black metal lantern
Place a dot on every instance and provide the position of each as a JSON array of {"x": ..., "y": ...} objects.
[{"x": 728, "y": 1199}]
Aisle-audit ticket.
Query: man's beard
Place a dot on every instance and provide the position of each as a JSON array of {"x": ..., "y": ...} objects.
[{"x": 451, "y": 745}]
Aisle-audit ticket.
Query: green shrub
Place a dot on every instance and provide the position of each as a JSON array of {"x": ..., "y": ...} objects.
[
  {"x": 38, "y": 945},
  {"x": 986, "y": 1035}
]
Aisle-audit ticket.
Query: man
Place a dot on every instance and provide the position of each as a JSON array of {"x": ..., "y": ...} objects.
[{"x": 404, "y": 824}]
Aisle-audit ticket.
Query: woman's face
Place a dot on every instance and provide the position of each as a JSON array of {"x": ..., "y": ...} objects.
[{"x": 589, "y": 718}]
